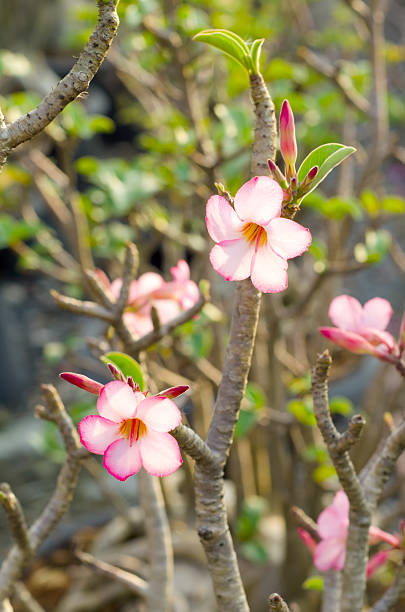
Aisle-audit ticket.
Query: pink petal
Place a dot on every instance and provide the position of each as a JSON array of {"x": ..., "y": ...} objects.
[
  {"x": 376, "y": 535},
  {"x": 348, "y": 340},
  {"x": 116, "y": 287},
  {"x": 331, "y": 524},
  {"x": 377, "y": 337},
  {"x": 117, "y": 401},
  {"x": 377, "y": 313},
  {"x": 232, "y": 259},
  {"x": 376, "y": 561},
  {"x": 83, "y": 382},
  {"x": 330, "y": 554},
  {"x": 146, "y": 284},
  {"x": 269, "y": 271},
  {"x": 139, "y": 323},
  {"x": 346, "y": 312},
  {"x": 308, "y": 540},
  {"x": 122, "y": 460},
  {"x": 160, "y": 453},
  {"x": 97, "y": 433},
  {"x": 103, "y": 278},
  {"x": 189, "y": 296},
  {"x": 181, "y": 272},
  {"x": 167, "y": 309},
  {"x": 341, "y": 505},
  {"x": 259, "y": 200},
  {"x": 173, "y": 391},
  {"x": 221, "y": 219},
  {"x": 288, "y": 238},
  {"x": 158, "y": 413}
]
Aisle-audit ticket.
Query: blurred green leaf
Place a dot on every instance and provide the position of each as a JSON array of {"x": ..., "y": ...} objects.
[
  {"x": 13, "y": 230},
  {"x": 303, "y": 411},
  {"x": 375, "y": 248},
  {"x": 393, "y": 204},
  {"x": 341, "y": 405},
  {"x": 255, "y": 551},
  {"x": 245, "y": 423},
  {"x": 323, "y": 472},
  {"x": 314, "y": 583},
  {"x": 127, "y": 365}
]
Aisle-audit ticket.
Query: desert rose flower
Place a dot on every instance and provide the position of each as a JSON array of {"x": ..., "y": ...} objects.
[
  {"x": 131, "y": 430},
  {"x": 361, "y": 329},
  {"x": 252, "y": 239},
  {"x": 150, "y": 289}
]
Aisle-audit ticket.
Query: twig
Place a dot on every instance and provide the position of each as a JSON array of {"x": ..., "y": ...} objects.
[
  {"x": 26, "y": 601},
  {"x": 277, "y": 604},
  {"x": 129, "y": 271},
  {"x": 136, "y": 584},
  {"x": 16, "y": 519},
  {"x": 305, "y": 521},
  {"x": 393, "y": 594},
  {"x": 191, "y": 443},
  {"x": 90, "y": 309},
  {"x": 69, "y": 88}
]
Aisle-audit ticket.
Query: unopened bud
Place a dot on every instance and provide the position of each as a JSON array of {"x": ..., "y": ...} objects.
[
  {"x": 115, "y": 372},
  {"x": 277, "y": 175},
  {"x": 134, "y": 386},
  {"x": 288, "y": 144},
  {"x": 83, "y": 382},
  {"x": 306, "y": 184}
]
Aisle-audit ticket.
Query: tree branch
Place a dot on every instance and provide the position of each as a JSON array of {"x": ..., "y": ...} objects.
[
  {"x": 16, "y": 519},
  {"x": 277, "y": 604},
  {"x": 136, "y": 584}
]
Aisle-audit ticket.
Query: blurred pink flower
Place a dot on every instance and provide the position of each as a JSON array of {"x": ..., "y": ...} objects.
[
  {"x": 253, "y": 240},
  {"x": 361, "y": 329},
  {"x": 150, "y": 289},
  {"x": 131, "y": 430},
  {"x": 332, "y": 528},
  {"x": 288, "y": 144}
]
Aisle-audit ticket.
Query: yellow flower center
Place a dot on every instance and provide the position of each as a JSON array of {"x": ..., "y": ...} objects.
[
  {"x": 253, "y": 233},
  {"x": 133, "y": 429}
]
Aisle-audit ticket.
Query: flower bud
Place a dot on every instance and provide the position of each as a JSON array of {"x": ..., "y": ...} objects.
[
  {"x": 306, "y": 184},
  {"x": 83, "y": 382},
  {"x": 115, "y": 372},
  {"x": 277, "y": 175},
  {"x": 288, "y": 144}
]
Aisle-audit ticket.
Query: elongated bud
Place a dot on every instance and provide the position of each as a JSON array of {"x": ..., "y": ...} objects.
[
  {"x": 308, "y": 540},
  {"x": 83, "y": 382},
  {"x": 134, "y": 386},
  {"x": 173, "y": 391},
  {"x": 115, "y": 372},
  {"x": 288, "y": 144},
  {"x": 306, "y": 184},
  {"x": 277, "y": 175}
]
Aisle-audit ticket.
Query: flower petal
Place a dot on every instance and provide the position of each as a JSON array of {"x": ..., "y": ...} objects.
[
  {"x": 117, "y": 401},
  {"x": 330, "y": 554},
  {"x": 331, "y": 524},
  {"x": 146, "y": 284},
  {"x": 181, "y": 272},
  {"x": 232, "y": 259},
  {"x": 377, "y": 313},
  {"x": 376, "y": 561},
  {"x": 377, "y": 337},
  {"x": 97, "y": 433},
  {"x": 346, "y": 312},
  {"x": 349, "y": 340},
  {"x": 160, "y": 453},
  {"x": 259, "y": 200},
  {"x": 341, "y": 505},
  {"x": 288, "y": 238},
  {"x": 158, "y": 413},
  {"x": 82, "y": 381},
  {"x": 269, "y": 271},
  {"x": 166, "y": 309},
  {"x": 221, "y": 219},
  {"x": 122, "y": 460}
]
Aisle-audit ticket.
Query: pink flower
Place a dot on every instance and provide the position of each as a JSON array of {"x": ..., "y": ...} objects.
[
  {"x": 288, "y": 144},
  {"x": 150, "y": 289},
  {"x": 361, "y": 329},
  {"x": 131, "y": 430},
  {"x": 333, "y": 525},
  {"x": 253, "y": 240}
]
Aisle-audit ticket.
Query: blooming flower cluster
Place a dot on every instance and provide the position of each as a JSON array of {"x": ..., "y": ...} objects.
[
  {"x": 362, "y": 329},
  {"x": 150, "y": 289},
  {"x": 131, "y": 430},
  {"x": 332, "y": 528},
  {"x": 252, "y": 238}
]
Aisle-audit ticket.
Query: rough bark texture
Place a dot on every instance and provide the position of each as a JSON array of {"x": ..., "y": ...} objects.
[
  {"x": 69, "y": 88},
  {"x": 332, "y": 591}
]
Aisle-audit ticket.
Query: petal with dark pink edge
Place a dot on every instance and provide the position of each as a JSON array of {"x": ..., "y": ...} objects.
[
  {"x": 222, "y": 221},
  {"x": 172, "y": 392},
  {"x": 122, "y": 460},
  {"x": 83, "y": 382},
  {"x": 269, "y": 271},
  {"x": 346, "y": 312},
  {"x": 232, "y": 259},
  {"x": 259, "y": 200},
  {"x": 330, "y": 554},
  {"x": 117, "y": 401},
  {"x": 288, "y": 238},
  {"x": 348, "y": 340},
  {"x": 377, "y": 313},
  {"x": 97, "y": 433},
  {"x": 159, "y": 413},
  {"x": 160, "y": 453}
]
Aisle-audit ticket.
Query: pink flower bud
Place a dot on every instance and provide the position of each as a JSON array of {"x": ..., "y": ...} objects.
[
  {"x": 134, "y": 386},
  {"x": 277, "y": 175},
  {"x": 288, "y": 145},
  {"x": 376, "y": 561},
  {"x": 379, "y": 535},
  {"x": 307, "y": 182},
  {"x": 307, "y": 539},
  {"x": 115, "y": 372},
  {"x": 173, "y": 391},
  {"x": 83, "y": 382}
]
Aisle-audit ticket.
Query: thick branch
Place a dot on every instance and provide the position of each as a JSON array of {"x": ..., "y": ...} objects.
[
  {"x": 332, "y": 591},
  {"x": 69, "y": 88},
  {"x": 191, "y": 443}
]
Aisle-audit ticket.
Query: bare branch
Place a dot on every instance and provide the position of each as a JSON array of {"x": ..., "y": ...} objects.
[
  {"x": 393, "y": 594},
  {"x": 191, "y": 443},
  {"x": 16, "y": 519},
  {"x": 129, "y": 272},
  {"x": 69, "y": 88},
  {"x": 136, "y": 584},
  {"x": 90, "y": 309},
  {"x": 25, "y": 599},
  {"x": 305, "y": 521}
]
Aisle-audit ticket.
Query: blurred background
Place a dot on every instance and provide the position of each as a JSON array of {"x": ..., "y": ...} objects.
[{"x": 136, "y": 159}]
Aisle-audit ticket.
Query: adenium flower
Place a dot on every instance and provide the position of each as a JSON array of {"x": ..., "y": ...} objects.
[
  {"x": 332, "y": 528},
  {"x": 131, "y": 430},
  {"x": 150, "y": 289},
  {"x": 362, "y": 329},
  {"x": 253, "y": 240}
]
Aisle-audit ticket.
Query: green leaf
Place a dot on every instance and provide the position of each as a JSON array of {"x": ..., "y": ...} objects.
[
  {"x": 126, "y": 365},
  {"x": 314, "y": 583},
  {"x": 341, "y": 405},
  {"x": 229, "y": 43},
  {"x": 255, "y": 52},
  {"x": 394, "y": 204},
  {"x": 370, "y": 202},
  {"x": 323, "y": 472},
  {"x": 326, "y": 157},
  {"x": 303, "y": 411},
  {"x": 12, "y": 230},
  {"x": 246, "y": 421}
]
